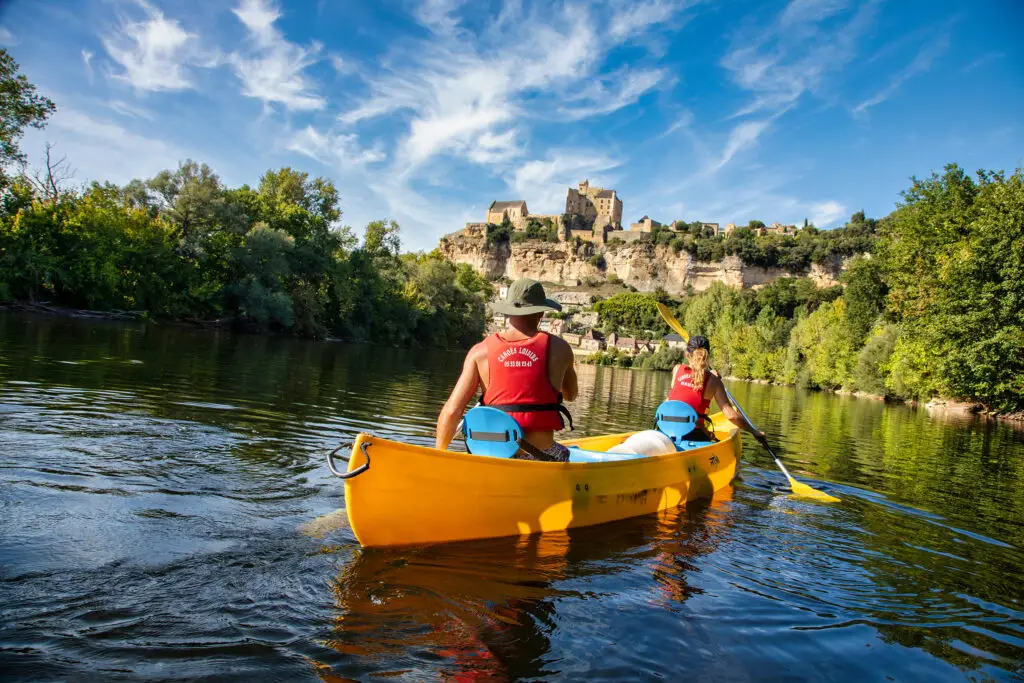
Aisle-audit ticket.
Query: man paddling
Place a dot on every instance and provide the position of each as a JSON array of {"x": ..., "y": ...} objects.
[{"x": 521, "y": 370}]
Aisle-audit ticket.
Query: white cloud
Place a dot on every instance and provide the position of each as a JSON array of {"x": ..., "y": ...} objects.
[
  {"x": 826, "y": 213},
  {"x": 113, "y": 152},
  {"x": 271, "y": 70},
  {"x": 986, "y": 58},
  {"x": 87, "y": 63},
  {"x": 342, "y": 66},
  {"x": 129, "y": 110},
  {"x": 795, "y": 54},
  {"x": 633, "y": 18},
  {"x": 800, "y": 11},
  {"x": 334, "y": 149},
  {"x": 491, "y": 148},
  {"x": 543, "y": 182},
  {"x": 458, "y": 95},
  {"x": 613, "y": 92},
  {"x": 741, "y": 137},
  {"x": 7, "y": 39},
  {"x": 153, "y": 53},
  {"x": 929, "y": 52}
]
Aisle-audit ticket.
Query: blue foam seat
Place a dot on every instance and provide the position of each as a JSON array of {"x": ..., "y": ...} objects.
[
  {"x": 492, "y": 432},
  {"x": 676, "y": 420}
]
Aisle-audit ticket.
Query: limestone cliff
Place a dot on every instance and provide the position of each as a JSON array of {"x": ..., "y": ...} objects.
[{"x": 642, "y": 265}]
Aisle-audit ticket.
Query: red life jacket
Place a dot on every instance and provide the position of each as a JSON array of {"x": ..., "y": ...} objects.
[
  {"x": 683, "y": 390},
  {"x": 519, "y": 383}
]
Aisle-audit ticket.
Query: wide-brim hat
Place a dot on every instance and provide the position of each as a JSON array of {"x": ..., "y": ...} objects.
[{"x": 525, "y": 297}]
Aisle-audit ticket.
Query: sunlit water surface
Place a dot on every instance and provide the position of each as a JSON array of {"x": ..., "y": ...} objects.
[{"x": 166, "y": 513}]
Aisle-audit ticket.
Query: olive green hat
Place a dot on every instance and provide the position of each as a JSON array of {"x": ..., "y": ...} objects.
[{"x": 525, "y": 297}]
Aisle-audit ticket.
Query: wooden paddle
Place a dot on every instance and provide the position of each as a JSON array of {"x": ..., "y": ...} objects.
[{"x": 798, "y": 489}]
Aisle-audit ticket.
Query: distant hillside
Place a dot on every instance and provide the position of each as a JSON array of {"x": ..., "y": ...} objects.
[{"x": 676, "y": 261}]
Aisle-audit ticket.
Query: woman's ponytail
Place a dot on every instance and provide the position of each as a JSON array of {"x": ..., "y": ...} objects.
[{"x": 698, "y": 368}]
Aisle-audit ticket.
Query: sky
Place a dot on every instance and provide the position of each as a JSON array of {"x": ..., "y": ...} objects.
[{"x": 424, "y": 111}]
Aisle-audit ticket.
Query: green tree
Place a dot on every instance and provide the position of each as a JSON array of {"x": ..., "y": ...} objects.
[{"x": 20, "y": 107}]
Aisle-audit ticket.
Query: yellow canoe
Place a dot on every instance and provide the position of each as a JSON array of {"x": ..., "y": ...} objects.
[{"x": 411, "y": 495}]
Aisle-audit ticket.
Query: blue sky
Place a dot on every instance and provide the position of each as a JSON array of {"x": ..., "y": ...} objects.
[{"x": 426, "y": 110}]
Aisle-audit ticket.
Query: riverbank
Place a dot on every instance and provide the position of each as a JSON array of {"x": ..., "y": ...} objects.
[{"x": 937, "y": 406}]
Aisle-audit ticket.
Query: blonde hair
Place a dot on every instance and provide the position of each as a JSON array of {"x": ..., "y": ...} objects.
[{"x": 698, "y": 362}]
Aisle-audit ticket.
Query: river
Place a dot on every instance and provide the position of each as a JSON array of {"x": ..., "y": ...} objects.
[{"x": 166, "y": 513}]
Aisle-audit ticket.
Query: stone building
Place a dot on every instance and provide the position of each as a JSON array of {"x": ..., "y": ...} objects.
[
  {"x": 646, "y": 224},
  {"x": 592, "y": 341},
  {"x": 515, "y": 211},
  {"x": 572, "y": 338},
  {"x": 596, "y": 206},
  {"x": 674, "y": 341}
]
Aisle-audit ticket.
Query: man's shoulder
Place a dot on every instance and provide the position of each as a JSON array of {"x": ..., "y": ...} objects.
[{"x": 559, "y": 345}]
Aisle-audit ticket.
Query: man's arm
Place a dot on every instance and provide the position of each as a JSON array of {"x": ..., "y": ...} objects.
[
  {"x": 565, "y": 357},
  {"x": 448, "y": 420}
]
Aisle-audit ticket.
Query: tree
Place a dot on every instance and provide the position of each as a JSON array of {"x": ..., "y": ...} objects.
[
  {"x": 954, "y": 254},
  {"x": 20, "y": 107}
]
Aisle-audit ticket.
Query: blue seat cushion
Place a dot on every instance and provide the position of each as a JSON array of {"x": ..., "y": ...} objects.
[
  {"x": 492, "y": 432},
  {"x": 676, "y": 420}
]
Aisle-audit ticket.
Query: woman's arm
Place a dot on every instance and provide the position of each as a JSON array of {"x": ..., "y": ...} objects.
[{"x": 735, "y": 416}]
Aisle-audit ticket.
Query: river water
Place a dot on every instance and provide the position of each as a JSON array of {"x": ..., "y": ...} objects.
[{"x": 166, "y": 513}]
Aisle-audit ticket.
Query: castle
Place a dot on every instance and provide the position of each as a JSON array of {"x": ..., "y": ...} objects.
[{"x": 593, "y": 214}]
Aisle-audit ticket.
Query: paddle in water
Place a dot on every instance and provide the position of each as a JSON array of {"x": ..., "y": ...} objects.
[{"x": 802, "y": 490}]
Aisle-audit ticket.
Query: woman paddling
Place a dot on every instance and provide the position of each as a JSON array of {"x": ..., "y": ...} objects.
[{"x": 694, "y": 383}]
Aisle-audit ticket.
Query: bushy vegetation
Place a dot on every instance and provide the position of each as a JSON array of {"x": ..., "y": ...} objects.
[
  {"x": 936, "y": 311},
  {"x": 181, "y": 245},
  {"x": 794, "y": 253}
]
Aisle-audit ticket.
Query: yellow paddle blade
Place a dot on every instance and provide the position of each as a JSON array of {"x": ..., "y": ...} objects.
[
  {"x": 672, "y": 322},
  {"x": 805, "y": 491}
]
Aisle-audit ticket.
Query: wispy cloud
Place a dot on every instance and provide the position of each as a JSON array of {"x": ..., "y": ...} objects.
[
  {"x": 113, "y": 152},
  {"x": 543, "y": 181},
  {"x": 334, "y": 149},
  {"x": 796, "y": 53},
  {"x": 462, "y": 97},
  {"x": 271, "y": 69},
  {"x": 923, "y": 61},
  {"x": 632, "y": 18},
  {"x": 986, "y": 58},
  {"x": 826, "y": 213},
  {"x": 7, "y": 39},
  {"x": 742, "y": 136},
  {"x": 153, "y": 53},
  {"x": 87, "y": 63},
  {"x": 612, "y": 93}
]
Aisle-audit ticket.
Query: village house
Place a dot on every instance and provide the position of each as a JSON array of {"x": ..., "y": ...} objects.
[
  {"x": 674, "y": 341},
  {"x": 592, "y": 341},
  {"x": 515, "y": 211},
  {"x": 626, "y": 345},
  {"x": 646, "y": 224},
  {"x": 572, "y": 338},
  {"x": 553, "y": 326}
]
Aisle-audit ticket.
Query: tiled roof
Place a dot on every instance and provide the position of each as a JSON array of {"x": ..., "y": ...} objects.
[
  {"x": 606, "y": 194},
  {"x": 501, "y": 206}
]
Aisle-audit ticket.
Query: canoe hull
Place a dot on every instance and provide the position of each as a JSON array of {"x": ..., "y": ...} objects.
[{"x": 414, "y": 495}]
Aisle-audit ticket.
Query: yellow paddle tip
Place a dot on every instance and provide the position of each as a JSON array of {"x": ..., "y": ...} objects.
[{"x": 805, "y": 491}]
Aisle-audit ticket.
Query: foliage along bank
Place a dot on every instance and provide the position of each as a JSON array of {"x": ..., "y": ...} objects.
[
  {"x": 184, "y": 246},
  {"x": 936, "y": 310}
]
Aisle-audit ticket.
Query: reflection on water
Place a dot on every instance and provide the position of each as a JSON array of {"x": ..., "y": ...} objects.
[{"x": 166, "y": 513}]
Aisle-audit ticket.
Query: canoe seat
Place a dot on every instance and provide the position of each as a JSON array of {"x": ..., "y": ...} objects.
[
  {"x": 492, "y": 432},
  {"x": 676, "y": 420}
]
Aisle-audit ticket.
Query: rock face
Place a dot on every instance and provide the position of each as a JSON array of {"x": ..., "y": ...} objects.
[{"x": 644, "y": 266}]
